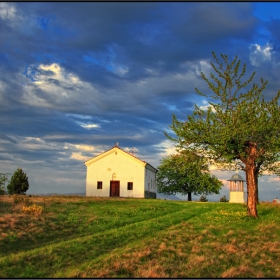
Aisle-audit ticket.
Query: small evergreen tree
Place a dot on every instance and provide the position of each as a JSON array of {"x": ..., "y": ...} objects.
[{"x": 19, "y": 183}]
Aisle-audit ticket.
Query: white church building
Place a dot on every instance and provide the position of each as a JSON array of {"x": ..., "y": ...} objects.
[{"x": 117, "y": 173}]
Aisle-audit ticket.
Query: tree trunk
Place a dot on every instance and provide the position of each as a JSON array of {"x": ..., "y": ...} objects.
[
  {"x": 251, "y": 190},
  {"x": 247, "y": 186},
  {"x": 256, "y": 172},
  {"x": 257, "y": 188},
  {"x": 189, "y": 196}
]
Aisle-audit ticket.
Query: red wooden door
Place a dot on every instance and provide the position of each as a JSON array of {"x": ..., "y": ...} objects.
[{"x": 114, "y": 188}]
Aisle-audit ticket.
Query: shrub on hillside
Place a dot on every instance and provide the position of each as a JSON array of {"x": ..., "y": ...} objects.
[
  {"x": 33, "y": 209},
  {"x": 203, "y": 198},
  {"x": 21, "y": 199},
  {"x": 223, "y": 199},
  {"x": 2, "y": 190}
]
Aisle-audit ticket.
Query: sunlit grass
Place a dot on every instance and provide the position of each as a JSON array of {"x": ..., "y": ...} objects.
[{"x": 138, "y": 238}]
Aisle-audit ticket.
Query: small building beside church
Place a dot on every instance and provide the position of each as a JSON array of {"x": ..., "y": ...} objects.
[
  {"x": 117, "y": 173},
  {"x": 236, "y": 187}
]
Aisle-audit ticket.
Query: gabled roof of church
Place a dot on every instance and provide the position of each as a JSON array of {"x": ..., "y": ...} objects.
[{"x": 146, "y": 163}]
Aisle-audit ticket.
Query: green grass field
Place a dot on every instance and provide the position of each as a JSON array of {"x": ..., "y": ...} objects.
[{"x": 98, "y": 237}]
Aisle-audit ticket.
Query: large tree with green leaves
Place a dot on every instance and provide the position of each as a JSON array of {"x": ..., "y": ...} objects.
[
  {"x": 186, "y": 173},
  {"x": 19, "y": 183},
  {"x": 238, "y": 126}
]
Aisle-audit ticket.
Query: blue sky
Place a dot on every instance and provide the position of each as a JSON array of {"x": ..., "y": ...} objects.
[{"x": 78, "y": 77}]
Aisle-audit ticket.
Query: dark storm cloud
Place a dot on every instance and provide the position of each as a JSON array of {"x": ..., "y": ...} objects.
[
  {"x": 24, "y": 122},
  {"x": 138, "y": 35}
]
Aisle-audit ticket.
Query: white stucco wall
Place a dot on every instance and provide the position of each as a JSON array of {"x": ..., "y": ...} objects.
[
  {"x": 150, "y": 180},
  {"x": 119, "y": 166},
  {"x": 236, "y": 197}
]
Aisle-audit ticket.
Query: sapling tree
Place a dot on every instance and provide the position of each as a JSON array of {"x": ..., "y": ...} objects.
[{"x": 238, "y": 126}]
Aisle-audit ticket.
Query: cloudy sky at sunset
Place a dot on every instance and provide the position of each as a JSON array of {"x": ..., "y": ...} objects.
[{"x": 78, "y": 77}]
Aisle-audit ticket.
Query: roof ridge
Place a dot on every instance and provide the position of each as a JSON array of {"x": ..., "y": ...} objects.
[
  {"x": 122, "y": 151},
  {"x": 129, "y": 153},
  {"x": 118, "y": 148}
]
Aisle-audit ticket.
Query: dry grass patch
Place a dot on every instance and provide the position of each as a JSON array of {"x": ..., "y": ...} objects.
[
  {"x": 271, "y": 247},
  {"x": 91, "y": 219},
  {"x": 162, "y": 247},
  {"x": 242, "y": 271},
  {"x": 196, "y": 248},
  {"x": 229, "y": 233},
  {"x": 151, "y": 270},
  {"x": 142, "y": 253},
  {"x": 215, "y": 245},
  {"x": 198, "y": 259},
  {"x": 267, "y": 228},
  {"x": 277, "y": 272},
  {"x": 262, "y": 262},
  {"x": 19, "y": 221},
  {"x": 230, "y": 248},
  {"x": 205, "y": 232},
  {"x": 12, "y": 222},
  {"x": 3, "y": 235}
]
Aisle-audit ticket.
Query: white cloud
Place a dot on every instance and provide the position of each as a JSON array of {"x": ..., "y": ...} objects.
[
  {"x": 204, "y": 67},
  {"x": 58, "y": 73},
  {"x": 34, "y": 143},
  {"x": 167, "y": 147},
  {"x": 52, "y": 86},
  {"x": 131, "y": 150},
  {"x": 7, "y": 11},
  {"x": 79, "y": 147},
  {"x": 60, "y": 88},
  {"x": 85, "y": 148},
  {"x": 260, "y": 54},
  {"x": 225, "y": 183},
  {"x": 206, "y": 105},
  {"x": 78, "y": 152},
  {"x": 89, "y": 126},
  {"x": 121, "y": 70},
  {"x": 273, "y": 179},
  {"x": 79, "y": 156}
]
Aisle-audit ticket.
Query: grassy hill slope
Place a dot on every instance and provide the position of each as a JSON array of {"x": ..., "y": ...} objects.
[{"x": 107, "y": 237}]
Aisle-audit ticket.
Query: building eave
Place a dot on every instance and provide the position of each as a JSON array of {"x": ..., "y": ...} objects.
[{"x": 113, "y": 149}]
